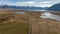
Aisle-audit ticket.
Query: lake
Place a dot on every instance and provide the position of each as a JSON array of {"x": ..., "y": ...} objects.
[{"x": 48, "y": 15}]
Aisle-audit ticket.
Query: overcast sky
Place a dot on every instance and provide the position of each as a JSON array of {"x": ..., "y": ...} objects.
[{"x": 37, "y": 3}]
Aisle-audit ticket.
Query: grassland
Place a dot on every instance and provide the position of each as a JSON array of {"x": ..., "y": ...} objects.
[
  {"x": 44, "y": 26},
  {"x": 11, "y": 23}
]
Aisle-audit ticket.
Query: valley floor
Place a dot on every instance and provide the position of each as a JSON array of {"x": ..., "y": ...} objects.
[{"x": 27, "y": 23}]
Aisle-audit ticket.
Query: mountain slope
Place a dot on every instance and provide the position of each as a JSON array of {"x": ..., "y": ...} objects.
[{"x": 55, "y": 7}]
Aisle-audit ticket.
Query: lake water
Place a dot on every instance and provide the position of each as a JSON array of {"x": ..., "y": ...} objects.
[{"x": 50, "y": 16}]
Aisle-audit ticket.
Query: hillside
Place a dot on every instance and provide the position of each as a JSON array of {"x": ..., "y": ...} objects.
[{"x": 55, "y": 7}]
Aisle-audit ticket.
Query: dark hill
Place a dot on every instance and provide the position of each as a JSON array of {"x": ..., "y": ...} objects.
[{"x": 55, "y": 7}]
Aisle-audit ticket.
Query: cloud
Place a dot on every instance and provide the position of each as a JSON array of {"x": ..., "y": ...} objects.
[
  {"x": 34, "y": 3},
  {"x": 37, "y": 3}
]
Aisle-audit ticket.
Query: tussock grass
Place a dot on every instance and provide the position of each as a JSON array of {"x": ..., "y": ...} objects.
[{"x": 14, "y": 24}]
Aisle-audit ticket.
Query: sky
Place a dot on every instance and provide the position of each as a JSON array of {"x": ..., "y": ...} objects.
[{"x": 36, "y": 3}]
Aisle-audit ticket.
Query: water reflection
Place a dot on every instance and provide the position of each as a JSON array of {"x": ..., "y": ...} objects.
[{"x": 50, "y": 16}]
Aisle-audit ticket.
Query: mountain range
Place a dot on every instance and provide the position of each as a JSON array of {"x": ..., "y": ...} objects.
[
  {"x": 55, "y": 7},
  {"x": 22, "y": 7}
]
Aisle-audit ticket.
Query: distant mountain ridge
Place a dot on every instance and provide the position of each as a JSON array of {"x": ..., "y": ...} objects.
[
  {"x": 22, "y": 7},
  {"x": 55, "y": 7}
]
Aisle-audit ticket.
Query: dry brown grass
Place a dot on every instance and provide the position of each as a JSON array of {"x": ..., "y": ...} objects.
[
  {"x": 38, "y": 25},
  {"x": 44, "y": 26},
  {"x": 11, "y": 23}
]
